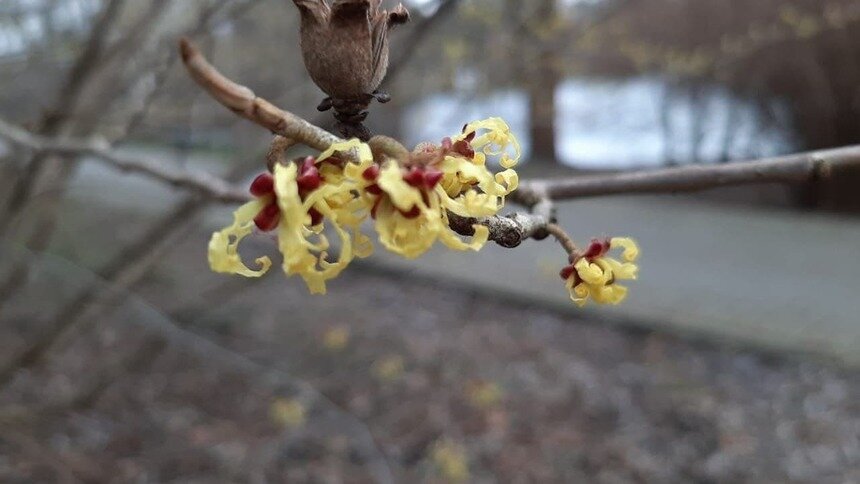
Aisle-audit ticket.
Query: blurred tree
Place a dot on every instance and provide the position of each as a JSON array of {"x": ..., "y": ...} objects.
[
  {"x": 800, "y": 54},
  {"x": 541, "y": 74}
]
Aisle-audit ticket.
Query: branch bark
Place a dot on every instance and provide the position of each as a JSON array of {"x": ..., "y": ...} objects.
[
  {"x": 213, "y": 187},
  {"x": 242, "y": 101},
  {"x": 789, "y": 169}
]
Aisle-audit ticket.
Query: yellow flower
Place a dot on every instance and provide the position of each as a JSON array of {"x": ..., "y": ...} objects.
[
  {"x": 288, "y": 413},
  {"x": 464, "y": 169},
  {"x": 410, "y": 199},
  {"x": 299, "y": 201},
  {"x": 594, "y": 275},
  {"x": 451, "y": 461}
]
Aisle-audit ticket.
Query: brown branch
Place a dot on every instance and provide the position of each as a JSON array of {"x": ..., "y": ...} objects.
[
  {"x": 508, "y": 231},
  {"x": 563, "y": 239},
  {"x": 245, "y": 103},
  {"x": 789, "y": 169},
  {"x": 209, "y": 185}
]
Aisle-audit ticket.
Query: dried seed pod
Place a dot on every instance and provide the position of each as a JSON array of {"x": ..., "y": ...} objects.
[{"x": 345, "y": 50}]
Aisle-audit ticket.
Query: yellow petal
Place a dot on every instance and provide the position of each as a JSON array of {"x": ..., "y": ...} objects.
[
  {"x": 403, "y": 195},
  {"x": 631, "y": 249},
  {"x": 622, "y": 270},
  {"x": 453, "y": 241},
  {"x": 591, "y": 273},
  {"x": 301, "y": 256},
  {"x": 612, "y": 294},
  {"x": 495, "y": 141},
  {"x": 469, "y": 204},
  {"x": 223, "y": 250},
  {"x": 409, "y": 238},
  {"x": 360, "y": 150},
  {"x": 579, "y": 293}
]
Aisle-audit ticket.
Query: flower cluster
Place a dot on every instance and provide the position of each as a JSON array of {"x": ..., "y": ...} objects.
[
  {"x": 594, "y": 275},
  {"x": 408, "y": 197}
]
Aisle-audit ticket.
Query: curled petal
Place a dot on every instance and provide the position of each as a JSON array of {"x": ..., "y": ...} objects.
[
  {"x": 301, "y": 256},
  {"x": 223, "y": 250},
  {"x": 470, "y": 204},
  {"x": 509, "y": 179},
  {"x": 579, "y": 293},
  {"x": 613, "y": 294},
  {"x": 591, "y": 273},
  {"x": 408, "y": 237},
  {"x": 329, "y": 270},
  {"x": 631, "y": 249},
  {"x": 363, "y": 246},
  {"x": 495, "y": 141},
  {"x": 622, "y": 270}
]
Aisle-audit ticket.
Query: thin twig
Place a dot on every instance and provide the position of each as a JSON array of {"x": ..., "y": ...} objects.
[{"x": 563, "y": 238}]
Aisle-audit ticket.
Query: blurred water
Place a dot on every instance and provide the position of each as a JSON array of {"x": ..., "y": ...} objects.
[{"x": 618, "y": 124}]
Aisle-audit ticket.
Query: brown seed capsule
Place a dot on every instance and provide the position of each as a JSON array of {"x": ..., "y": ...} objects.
[
  {"x": 345, "y": 44},
  {"x": 345, "y": 49}
]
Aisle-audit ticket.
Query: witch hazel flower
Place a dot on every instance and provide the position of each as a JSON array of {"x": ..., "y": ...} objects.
[
  {"x": 410, "y": 196},
  {"x": 594, "y": 275},
  {"x": 407, "y": 195},
  {"x": 297, "y": 202}
]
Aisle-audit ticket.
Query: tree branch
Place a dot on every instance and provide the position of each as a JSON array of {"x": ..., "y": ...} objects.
[
  {"x": 209, "y": 185},
  {"x": 789, "y": 169},
  {"x": 245, "y": 103}
]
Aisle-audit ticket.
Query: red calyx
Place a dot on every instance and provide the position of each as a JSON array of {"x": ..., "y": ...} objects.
[
  {"x": 470, "y": 136},
  {"x": 414, "y": 213},
  {"x": 432, "y": 178},
  {"x": 374, "y": 189},
  {"x": 309, "y": 176},
  {"x": 420, "y": 177},
  {"x": 463, "y": 147},
  {"x": 596, "y": 249},
  {"x": 263, "y": 185},
  {"x": 567, "y": 272},
  {"x": 375, "y": 208},
  {"x": 316, "y": 216},
  {"x": 415, "y": 177},
  {"x": 268, "y": 218},
  {"x": 371, "y": 174}
]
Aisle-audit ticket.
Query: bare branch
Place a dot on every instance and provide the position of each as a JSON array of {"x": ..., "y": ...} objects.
[
  {"x": 209, "y": 185},
  {"x": 508, "y": 231},
  {"x": 790, "y": 169},
  {"x": 245, "y": 103},
  {"x": 563, "y": 239}
]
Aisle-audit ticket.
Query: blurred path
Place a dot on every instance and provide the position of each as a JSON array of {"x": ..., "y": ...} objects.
[{"x": 776, "y": 279}]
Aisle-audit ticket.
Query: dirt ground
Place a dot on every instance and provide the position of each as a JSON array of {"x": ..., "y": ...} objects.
[{"x": 394, "y": 378}]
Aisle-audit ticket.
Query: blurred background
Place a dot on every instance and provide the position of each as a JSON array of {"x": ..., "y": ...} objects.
[{"x": 123, "y": 359}]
